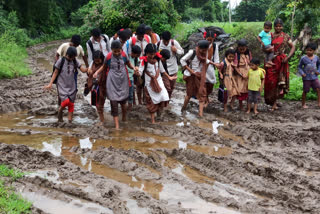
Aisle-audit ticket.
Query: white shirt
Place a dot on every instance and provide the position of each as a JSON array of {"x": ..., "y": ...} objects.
[
  {"x": 211, "y": 72},
  {"x": 196, "y": 65},
  {"x": 163, "y": 95},
  {"x": 142, "y": 44},
  {"x": 172, "y": 62},
  {"x": 106, "y": 48}
]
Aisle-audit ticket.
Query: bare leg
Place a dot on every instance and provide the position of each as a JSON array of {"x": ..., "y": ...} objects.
[
  {"x": 255, "y": 107},
  {"x": 274, "y": 107},
  {"x": 225, "y": 107},
  {"x": 139, "y": 94},
  {"x": 249, "y": 108},
  {"x": 186, "y": 101},
  {"x": 70, "y": 116},
  {"x": 304, "y": 95},
  {"x": 232, "y": 102},
  {"x": 153, "y": 120},
  {"x": 318, "y": 92},
  {"x": 124, "y": 112},
  {"x": 201, "y": 105},
  {"x": 116, "y": 122},
  {"x": 240, "y": 105},
  {"x": 60, "y": 114}
]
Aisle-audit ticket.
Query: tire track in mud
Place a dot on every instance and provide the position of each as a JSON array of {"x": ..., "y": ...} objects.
[{"x": 267, "y": 163}]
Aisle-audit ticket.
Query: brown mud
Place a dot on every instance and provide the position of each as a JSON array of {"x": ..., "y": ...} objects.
[{"x": 224, "y": 163}]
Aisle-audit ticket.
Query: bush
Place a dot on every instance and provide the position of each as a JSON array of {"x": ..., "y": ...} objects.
[{"x": 12, "y": 58}]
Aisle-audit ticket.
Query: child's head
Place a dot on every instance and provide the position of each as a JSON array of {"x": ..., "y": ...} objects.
[
  {"x": 116, "y": 48},
  {"x": 166, "y": 36},
  {"x": 230, "y": 54},
  {"x": 267, "y": 26},
  {"x": 96, "y": 34},
  {"x": 242, "y": 46},
  {"x": 129, "y": 31},
  {"x": 150, "y": 52},
  {"x": 148, "y": 30},
  {"x": 75, "y": 40},
  {"x": 254, "y": 64},
  {"x": 141, "y": 30},
  {"x": 203, "y": 46},
  {"x": 311, "y": 48},
  {"x": 165, "y": 54},
  {"x": 71, "y": 53},
  {"x": 278, "y": 25},
  {"x": 123, "y": 36},
  {"x": 98, "y": 57},
  {"x": 136, "y": 51},
  {"x": 210, "y": 36}
]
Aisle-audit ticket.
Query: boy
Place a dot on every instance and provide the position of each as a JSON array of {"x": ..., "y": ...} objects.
[
  {"x": 255, "y": 84},
  {"x": 168, "y": 80},
  {"x": 134, "y": 59},
  {"x": 117, "y": 84},
  {"x": 195, "y": 64},
  {"x": 65, "y": 76},
  {"x": 172, "y": 66},
  {"x": 265, "y": 40},
  {"x": 97, "y": 42},
  {"x": 141, "y": 39},
  {"x": 155, "y": 38},
  {"x": 309, "y": 69}
]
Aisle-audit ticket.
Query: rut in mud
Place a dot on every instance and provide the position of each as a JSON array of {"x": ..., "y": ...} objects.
[{"x": 224, "y": 163}]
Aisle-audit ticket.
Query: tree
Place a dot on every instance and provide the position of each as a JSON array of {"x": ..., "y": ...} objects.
[{"x": 252, "y": 10}]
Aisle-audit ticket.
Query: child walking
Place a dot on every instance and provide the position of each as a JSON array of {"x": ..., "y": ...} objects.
[
  {"x": 242, "y": 61},
  {"x": 227, "y": 81},
  {"x": 134, "y": 59},
  {"x": 155, "y": 91},
  {"x": 265, "y": 40},
  {"x": 255, "y": 84},
  {"x": 65, "y": 77},
  {"x": 195, "y": 63},
  {"x": 117, "y": 83},
  {"x": 98, "y": 83},
  {"x": 309, "y": 69}
]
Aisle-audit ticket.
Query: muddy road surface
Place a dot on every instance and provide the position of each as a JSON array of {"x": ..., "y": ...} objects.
[{"x": 224, "y": 163}]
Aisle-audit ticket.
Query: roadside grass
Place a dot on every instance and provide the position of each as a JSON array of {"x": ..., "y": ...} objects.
[{"x": 10, "y": 202}]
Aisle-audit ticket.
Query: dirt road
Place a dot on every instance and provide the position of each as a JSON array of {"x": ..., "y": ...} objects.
[{"x": 224, "y": 163}]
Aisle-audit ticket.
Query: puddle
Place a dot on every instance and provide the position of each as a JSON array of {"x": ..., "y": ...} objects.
[
  {"x": 177, "y": 194},
  {"x": 55, "y": 206},
  {"x": 134, "y": 208},
  {"x": 45, "y": 63}
]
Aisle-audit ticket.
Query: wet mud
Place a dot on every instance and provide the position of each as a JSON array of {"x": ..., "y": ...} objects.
[{"x": 223, "y": 163}]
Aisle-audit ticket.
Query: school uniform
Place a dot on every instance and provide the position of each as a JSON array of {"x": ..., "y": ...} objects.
[
  {"x": 171, "y": 64},
  {"x": 62, "y": 50},
  {"x": 104, "y": 47},
  {"x": 154, "y": 100}
]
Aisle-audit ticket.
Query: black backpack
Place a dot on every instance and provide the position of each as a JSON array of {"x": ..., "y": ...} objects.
[{"x": 91, "y": 45}]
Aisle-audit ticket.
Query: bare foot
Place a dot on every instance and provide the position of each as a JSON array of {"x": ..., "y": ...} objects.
[
  {"x": 256, "y": 112},
  {"x": 225, "y": 110},
  {"x": 305, "y": 106},
  {"x": 248, "y": 112}
]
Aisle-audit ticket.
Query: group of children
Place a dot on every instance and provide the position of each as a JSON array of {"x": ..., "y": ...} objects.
[{"x": 146, "y": 65}]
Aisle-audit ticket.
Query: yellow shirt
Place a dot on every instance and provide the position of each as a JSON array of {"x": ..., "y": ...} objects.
[
  {"x": 255, "y": 77},
  {"x": 62, "y": 50}
]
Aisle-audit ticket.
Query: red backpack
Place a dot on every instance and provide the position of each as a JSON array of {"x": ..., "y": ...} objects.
[{"x": 134, "y": 39}]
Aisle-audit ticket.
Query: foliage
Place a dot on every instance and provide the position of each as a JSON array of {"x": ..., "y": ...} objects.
[
  {"x": 111, "y": 15},
  {"x": 307, "y": 12},
  {"x": 14, "y": 174},
  {"x": 252, "y": 10},
  {"x": 12, "y": 58}
]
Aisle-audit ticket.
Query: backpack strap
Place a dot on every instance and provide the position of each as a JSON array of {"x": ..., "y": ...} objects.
[
  {"x": 75, "y": 72},
  {"x": 108, "y": 61},
  {"x": 146, "y": 37},
  {"x": 127, "y": 45},
  {"x": 105, "y": 39},
  {"x": 134, "y": 40},
  {"x": 158, "y": 45},
  {"x": 91, "y": 46},
  {"x": 124, "y": 57},
  {"x": 192, "y": 58}
]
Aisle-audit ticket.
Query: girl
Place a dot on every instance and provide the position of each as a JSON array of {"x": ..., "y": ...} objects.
[
  {"x": 195, "y": 63},
  {"x": 227, "y": 81},
  {"x": 213, "y": 54},
  {"x": 277, "y": 76},
  {"x": 155, "y": 91},
  {"x": 65, "y": 76},
  {"x": 242, "y": 62},
  {"x": 97, "y": 63},
  {"x": 117, "y": 83}
]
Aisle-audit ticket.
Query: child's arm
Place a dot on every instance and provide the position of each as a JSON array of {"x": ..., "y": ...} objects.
[
  {"x": 85, "y": 59},
  {"x": 220, "y": 70},
  {"x": 259, "y": 39},
  {"x": 215, "y": 64},
  {"x": 83, "y": 69},
  {"x": 261, "y": 87},
  {"x": 318, "y": 67},
  {"x": 300, "y": 68},
  {"x": 102, "y": 68},
  {"x": 54, "y": 76},
  {"x": 184, "y": 60}
]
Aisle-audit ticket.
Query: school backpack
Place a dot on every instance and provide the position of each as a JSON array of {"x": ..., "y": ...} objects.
[
  {"x": 158, "y": 44},
  {"x": 134, "y": 39},
  {"x": 190, "y": 60},
  {"x": 60, "y": 68},
  {"x": 91, "y": 45},
  {"x": 221, "y": 92},
  {"x": 95, "y": 94}
]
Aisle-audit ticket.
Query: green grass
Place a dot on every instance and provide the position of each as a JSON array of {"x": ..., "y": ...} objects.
[
  {"x": 10, "y": 202},
  {"x": 238, "y": 29},
  {"x": 12, "y": 59}
]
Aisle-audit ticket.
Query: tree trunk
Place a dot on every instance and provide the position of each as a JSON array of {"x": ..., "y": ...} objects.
[{"x": 292, "y": 20}]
